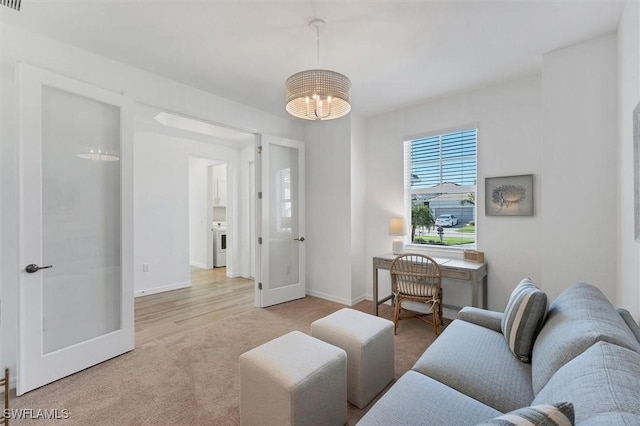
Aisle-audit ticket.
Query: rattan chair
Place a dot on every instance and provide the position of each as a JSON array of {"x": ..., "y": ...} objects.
[{"x": 418, "y": 278}]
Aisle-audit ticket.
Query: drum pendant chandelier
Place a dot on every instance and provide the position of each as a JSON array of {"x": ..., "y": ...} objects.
[{"x": 318, "y": 94}]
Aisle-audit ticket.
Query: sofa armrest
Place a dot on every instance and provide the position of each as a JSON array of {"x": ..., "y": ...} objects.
[{"x": 488, "y": 319}]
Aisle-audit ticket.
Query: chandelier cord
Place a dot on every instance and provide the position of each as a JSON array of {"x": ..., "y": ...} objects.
[{"x": 318, "y": 45}]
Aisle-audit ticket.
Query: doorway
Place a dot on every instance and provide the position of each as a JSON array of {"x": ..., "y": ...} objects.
[
  {"x": 167, "y": 147},
  {"x": 207, "y": 213},
  {"x": 217, "y": 183}
]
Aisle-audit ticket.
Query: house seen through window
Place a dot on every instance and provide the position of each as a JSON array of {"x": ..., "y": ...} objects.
[{"x": 441, "y": 177}]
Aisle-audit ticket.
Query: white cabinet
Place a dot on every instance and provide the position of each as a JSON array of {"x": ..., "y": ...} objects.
[
  {"x": 220, "y": 193},
  {"x": 219, "y": 184}
]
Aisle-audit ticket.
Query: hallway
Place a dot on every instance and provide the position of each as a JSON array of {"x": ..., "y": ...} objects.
[{"x": 212, "y": 296}]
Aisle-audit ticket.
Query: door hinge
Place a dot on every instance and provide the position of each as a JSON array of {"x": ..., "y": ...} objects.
[
  {"x": 259, "y": 150},
  {"x": 259, "y": 240},
  {"x": 259, "y": 286},
  {"x": 260, "y": 195}
]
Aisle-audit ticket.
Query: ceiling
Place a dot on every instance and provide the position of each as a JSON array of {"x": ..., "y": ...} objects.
[{"x": 396, "y": 53}]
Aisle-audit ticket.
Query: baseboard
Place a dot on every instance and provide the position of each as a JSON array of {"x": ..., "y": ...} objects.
[
  {"x": 449, "y": 313},
  {"x": 370, "y": 297},
  {"x": 328, "y": 297},
  {"x": 198, "y": 265},
  {"x": 357, "y": 300},
  {"x": 239, "y": 274},
  {"x": 13, "y": 383},
  {"x": 161, "y": 289}
]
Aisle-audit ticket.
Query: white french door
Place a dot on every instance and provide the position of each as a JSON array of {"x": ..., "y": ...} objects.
[
  {"x": 281, "y": 258},
  {"x": 76, "y": 216}
]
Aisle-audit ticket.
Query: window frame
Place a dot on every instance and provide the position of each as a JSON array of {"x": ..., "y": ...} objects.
[{"x": 407, "y": 188}]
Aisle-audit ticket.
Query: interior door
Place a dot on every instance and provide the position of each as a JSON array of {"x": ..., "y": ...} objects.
[
  {"x": 76, "y": 215},
  {"x": 280, "y": 172}
]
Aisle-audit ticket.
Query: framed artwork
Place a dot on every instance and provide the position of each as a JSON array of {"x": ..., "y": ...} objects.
[
  {"x": 636, "y": 171},
  {"x": 509, "y": 196}
]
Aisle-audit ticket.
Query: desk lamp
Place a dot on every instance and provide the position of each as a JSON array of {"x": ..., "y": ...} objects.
[{"x": 396, "y": 229}]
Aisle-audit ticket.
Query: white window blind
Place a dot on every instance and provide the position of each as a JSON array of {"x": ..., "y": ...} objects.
[{"x": 441, "y": 175}]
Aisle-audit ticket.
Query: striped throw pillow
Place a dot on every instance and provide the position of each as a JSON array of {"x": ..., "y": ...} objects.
[
  {"x": 560, "y": 414},
  {"x": 523, "y": 318}
]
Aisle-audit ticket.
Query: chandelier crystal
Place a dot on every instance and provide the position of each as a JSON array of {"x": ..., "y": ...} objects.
[{"x": 318, "y": 94}]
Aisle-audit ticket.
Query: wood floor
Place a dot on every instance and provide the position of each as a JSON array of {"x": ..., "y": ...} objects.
[{"x": 212, "y": 296}]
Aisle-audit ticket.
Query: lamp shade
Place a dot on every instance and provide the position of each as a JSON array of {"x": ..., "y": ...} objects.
[
  {"x": 318, "y": 95},
  {"x": 396, "y": 227}
]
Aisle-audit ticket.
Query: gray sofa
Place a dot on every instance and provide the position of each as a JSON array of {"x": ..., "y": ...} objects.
[{"x": 586, "y": 353}]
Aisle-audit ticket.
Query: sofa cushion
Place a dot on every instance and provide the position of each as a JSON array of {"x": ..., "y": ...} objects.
[
  {"x": 579, "y": 317},
  {"x": 631, "y": 323},
  {"x": 417, "y": 399},
  {"x": 477, "y": 362},
  {"x": 560, "y": 414},
  {"x": 604, "y": 379},
  {"x": 523, "y": 317}
]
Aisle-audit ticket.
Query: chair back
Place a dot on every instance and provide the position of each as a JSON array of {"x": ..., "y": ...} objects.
[{"x": 415, "y": 275}]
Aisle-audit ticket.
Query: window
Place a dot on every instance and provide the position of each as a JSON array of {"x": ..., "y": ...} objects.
[{"x": 440, "y": 182}]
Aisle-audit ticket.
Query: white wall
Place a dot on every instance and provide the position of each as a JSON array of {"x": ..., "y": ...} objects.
[
  {"x": 246, "y": 204},
  {"x": 328, "y": 210},
  {"x": 358, "y": 209},
  {"x": 628, "y": 251},
  {"x": 200, "y": 194},
  {"x": 508, "y": 120},
  {"x": 237, "y": 260},
  {"x": 558, "y": 126},
  {"x": 142, "y": 86},
  {"x": 161, "y": 207},
  {"x": 579, "y": 184}
]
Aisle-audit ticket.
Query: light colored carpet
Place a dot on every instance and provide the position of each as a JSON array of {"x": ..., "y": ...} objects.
[{"x": 192, "y": 378}]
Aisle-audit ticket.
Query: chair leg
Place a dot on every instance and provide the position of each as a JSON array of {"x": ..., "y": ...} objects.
[
  {"x": 437, "y": 318},
  {"x": 440, "y": 308},
  {"x": 396, "y": 314}
]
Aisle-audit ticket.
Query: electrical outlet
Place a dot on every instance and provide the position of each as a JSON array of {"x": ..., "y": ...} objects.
[{"x": 145, "y": 267}]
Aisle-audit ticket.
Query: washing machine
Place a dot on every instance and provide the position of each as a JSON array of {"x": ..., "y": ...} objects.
[{"x": 219, "y": 246}]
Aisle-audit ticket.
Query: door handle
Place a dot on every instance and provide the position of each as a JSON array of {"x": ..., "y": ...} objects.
[
  {"x": 301, "y": 239},
  {"x": 35, "y": 268}
]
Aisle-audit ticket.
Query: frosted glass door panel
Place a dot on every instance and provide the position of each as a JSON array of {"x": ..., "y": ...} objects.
[
  {"x": 280, "y": 207},
  {"x": 75, "y": 294},
  {"x": 81, "y": 229},
  {"x": 283, "y": 216}
]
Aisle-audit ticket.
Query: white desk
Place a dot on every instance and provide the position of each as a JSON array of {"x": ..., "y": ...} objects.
[{"x": 474, "y": 273}]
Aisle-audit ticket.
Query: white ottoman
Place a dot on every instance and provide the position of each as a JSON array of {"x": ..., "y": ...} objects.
[
  {"x": 293, "y": 380},
  {"x": 368, "y": 341}
]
